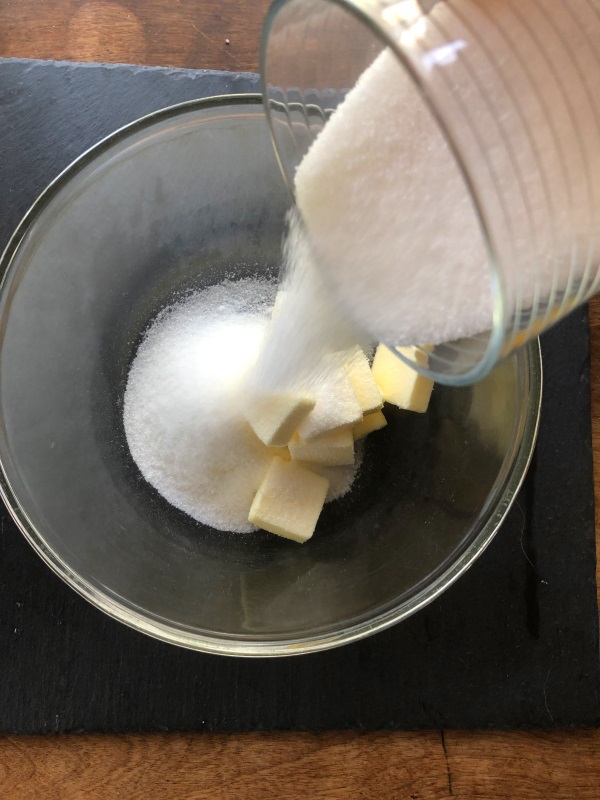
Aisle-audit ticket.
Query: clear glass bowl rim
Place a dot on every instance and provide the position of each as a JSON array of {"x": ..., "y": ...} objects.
[{"x": 220, "y": 644}]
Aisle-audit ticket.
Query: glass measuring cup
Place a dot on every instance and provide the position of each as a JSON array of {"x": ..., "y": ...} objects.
[{"x": 510, "y": 92}]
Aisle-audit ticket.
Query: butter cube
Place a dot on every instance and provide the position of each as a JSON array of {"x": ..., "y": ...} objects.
[
  {"x": 334, "y": 449},
  {"x": 336, "y": 405},
  {"x": 289, "y": 500},
  {"x": 275, "y": 417},
  {"x": 400, "y": 384},
  {"x": 368, "y": 424},
  {"x": 360, "y": 375},
  {"x": 280, "y": 452}
]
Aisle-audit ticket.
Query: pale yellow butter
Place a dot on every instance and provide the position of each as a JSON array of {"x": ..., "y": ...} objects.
[
  {"x": 280, "y": 452},
  {"x": 368, "y": 424},
  {"x": 275, "y": 417},
  {"x": 334, "y": 449},
  {"x": 400, "y": 384},
  {"x": 360, "y": 375},
  {"x": 289, "y": 500}
]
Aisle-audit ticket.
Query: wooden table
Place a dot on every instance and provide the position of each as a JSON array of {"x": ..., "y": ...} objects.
[{"x": 224, "y": 34}]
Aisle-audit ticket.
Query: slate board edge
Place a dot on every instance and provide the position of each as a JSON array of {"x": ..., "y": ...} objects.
[
  {"x": 173, "y": 72},
  {"x": 155, "y": 725}
]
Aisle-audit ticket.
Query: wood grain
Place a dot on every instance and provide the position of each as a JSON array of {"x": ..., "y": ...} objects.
[
  {"x": 329, "y": 766},
  {"x": 287, "y": 766},
  {"x": 174, "y": 33}
]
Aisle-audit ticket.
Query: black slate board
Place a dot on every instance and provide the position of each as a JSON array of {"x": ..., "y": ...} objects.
[{"x": 513, "y": 644}]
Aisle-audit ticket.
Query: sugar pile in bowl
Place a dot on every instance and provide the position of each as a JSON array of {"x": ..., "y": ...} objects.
[{"x": 184, "y": 405}]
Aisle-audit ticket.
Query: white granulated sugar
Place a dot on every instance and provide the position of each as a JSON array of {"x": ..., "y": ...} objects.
[
  {"x": 386, "y": 205},
  {"x": 183, "y": 408},
  {"x": 181, "y": 414},
  {"x": 390, "y": 217},
  {"x": 308, "y": 338},
  {"x": 308, "y": 327}
]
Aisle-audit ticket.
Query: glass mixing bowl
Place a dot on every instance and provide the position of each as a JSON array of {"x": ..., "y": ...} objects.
[{"x": 173, "y": 202}]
